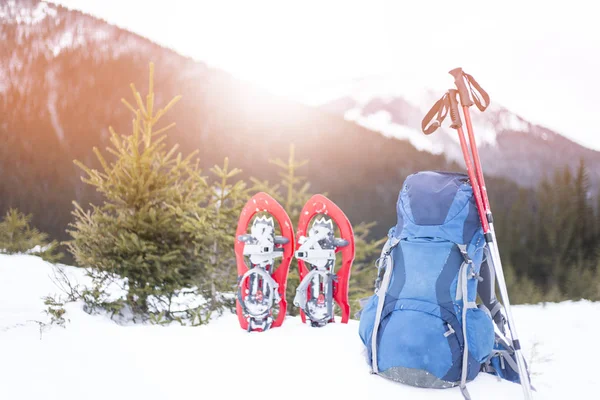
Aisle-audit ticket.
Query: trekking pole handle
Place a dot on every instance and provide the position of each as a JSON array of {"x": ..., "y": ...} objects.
[
  {"x": 454, "y": 115},
  {"x": 463, "y": 91}
]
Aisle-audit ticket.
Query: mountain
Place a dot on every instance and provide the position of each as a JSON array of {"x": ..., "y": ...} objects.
[
  {"x": 63, "y": 74},
  {"x": 510, "y": 146}
]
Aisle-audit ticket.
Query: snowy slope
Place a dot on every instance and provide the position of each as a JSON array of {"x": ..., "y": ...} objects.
[
  {"x": 94, "y": 358},
  {"x": 510, "y": 146}
]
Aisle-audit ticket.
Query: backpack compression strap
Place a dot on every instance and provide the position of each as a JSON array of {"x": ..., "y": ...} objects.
[
  {"x": 386, "y": 263},
  {"x": 487, "y": 293},
  {"x": 462, "y": 293}
]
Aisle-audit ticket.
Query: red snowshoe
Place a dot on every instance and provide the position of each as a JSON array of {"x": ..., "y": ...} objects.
[
  {"x": 316, "y": 250},
  {"x": 261, "y": 285}
]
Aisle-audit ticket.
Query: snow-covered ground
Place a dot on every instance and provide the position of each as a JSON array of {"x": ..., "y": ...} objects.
[{"x": 95, "y": 358}]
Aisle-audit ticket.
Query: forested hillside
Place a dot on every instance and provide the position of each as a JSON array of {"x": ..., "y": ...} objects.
[{"x": 64, "y": 74}]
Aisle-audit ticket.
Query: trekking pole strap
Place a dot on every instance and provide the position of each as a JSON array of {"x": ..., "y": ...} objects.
[
  {"x": 434, "y": 117},
  {"x": 469, "y": 90}
]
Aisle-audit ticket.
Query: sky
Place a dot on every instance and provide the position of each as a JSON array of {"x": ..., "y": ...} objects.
[{"x": 540, "y": 59}]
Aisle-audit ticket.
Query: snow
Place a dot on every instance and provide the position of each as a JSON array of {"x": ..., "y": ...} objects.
[
  {"x": 65, "y": 41},
  {"x": 27, "y": 15},
  {"x": 485, "y": 129},
  {"x": 51, "y": 105},
  {"x": 486, "y": 126},
  {"x": 494, "y": 121},
  {"x": 381, "y": 121},
  {"x": 514, "y": 122},
  {"x": 96, "y": 358}
]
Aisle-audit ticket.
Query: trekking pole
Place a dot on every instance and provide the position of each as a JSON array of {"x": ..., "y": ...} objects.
[
  {"x": 457, "y": 124},
  {"x": 439, "y": 111},
  {"x": 465, "y": 100}
]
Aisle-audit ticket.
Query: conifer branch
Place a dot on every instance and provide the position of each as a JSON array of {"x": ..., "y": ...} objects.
[
  {"x": 101, "y": 159},
  {"x": 171, "y": 152},
  {"x": 166, "y": 128},
  {"x": 138, "y": 100},
  {"x": 150, "y": 96},
  {"x": 129, "y": 106},
  {"x": 82, "y": 166},
  {"x": 171, "y": 103}
]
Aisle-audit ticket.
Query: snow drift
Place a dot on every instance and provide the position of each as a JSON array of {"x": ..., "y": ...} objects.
[{"x": 95, "y": 358}]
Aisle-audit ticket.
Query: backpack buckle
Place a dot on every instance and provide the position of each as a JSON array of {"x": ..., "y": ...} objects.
[{"x": 465, "y": 254}]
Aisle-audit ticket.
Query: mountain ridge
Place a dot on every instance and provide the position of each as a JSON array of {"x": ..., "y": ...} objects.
[
  {"x": 58, "y": 105},
  {"x": 510, "y": 146}
]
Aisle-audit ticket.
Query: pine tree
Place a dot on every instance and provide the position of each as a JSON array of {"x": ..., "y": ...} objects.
[
  {"x": 364, "y": 271},
  {"x": 597, "y": 219},
  {"x": 582, "y": 278},
  {"x": 517, "y": 226},
  {"x": 556, "y": 228},
  {"x": 18, "y": 236},
  {"x": 292, "y": 193},
  {"x": 521, "y": 289},
  {"x": 149, "y": 193},
  {"x": 223, "y": 208},
  {"x": 583, "y": 244}
]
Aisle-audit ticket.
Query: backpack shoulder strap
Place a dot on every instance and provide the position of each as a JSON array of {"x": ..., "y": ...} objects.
[
  {"x": 462, "y": 293},
  {"x": 385, "y": 263}
]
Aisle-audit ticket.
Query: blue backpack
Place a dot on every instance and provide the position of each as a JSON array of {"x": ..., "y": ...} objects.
[{"x": 422, "y": 327}]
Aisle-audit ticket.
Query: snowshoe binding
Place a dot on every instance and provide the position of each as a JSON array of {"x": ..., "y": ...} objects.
[
  {"x": 320, "y": 285},
  {"x": 262, "y": 285}
]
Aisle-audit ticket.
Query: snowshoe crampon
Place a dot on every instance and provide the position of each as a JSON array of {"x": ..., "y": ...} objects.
[
  {"x": 316, "y": 249},
  {"x": 261, "y": 284}
]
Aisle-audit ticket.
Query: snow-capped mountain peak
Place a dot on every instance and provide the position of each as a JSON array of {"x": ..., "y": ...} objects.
[{"x": 510, "y": 146}]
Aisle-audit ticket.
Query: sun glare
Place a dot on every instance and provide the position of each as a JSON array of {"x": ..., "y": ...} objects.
[{"x": 312, "y": 50}]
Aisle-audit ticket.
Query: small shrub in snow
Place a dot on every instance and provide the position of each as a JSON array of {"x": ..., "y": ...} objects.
[
  {"x": 56, "y": 310},
  {"x": 17, "y": 236},
  {"x": 162, "y": 227}
]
